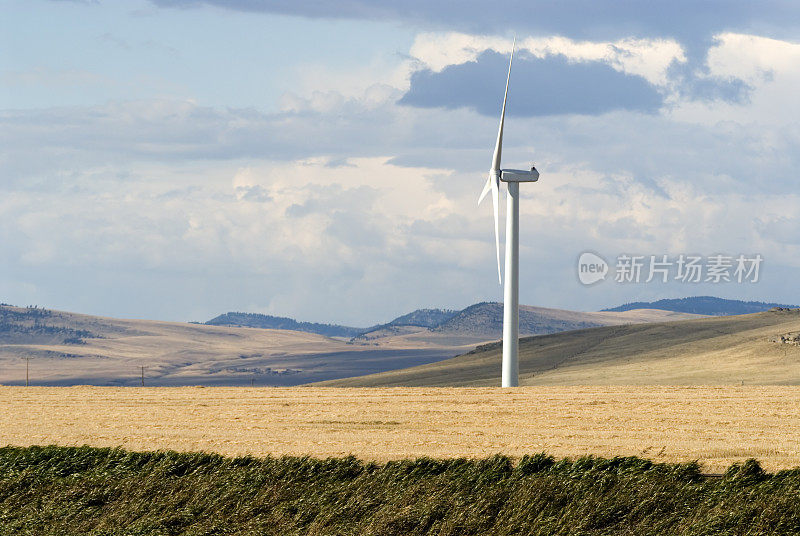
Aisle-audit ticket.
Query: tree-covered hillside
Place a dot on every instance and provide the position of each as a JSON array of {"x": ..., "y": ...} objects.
[{"x": 704, "y": 305}]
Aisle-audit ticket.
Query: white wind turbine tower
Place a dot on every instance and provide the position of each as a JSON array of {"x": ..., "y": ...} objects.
[{"x": 512, "y": 177}]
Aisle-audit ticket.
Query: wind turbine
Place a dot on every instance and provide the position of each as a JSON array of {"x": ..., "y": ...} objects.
[{"x": 512, "y": 177}]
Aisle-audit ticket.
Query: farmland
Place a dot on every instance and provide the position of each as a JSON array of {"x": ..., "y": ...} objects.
[{"x": 715, "y": 425}]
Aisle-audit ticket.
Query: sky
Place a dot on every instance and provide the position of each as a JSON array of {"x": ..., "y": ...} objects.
[{"x": 177, "y": 159}]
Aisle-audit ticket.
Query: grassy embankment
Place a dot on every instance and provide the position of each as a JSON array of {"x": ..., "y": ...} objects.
[{"x": 68, "y": 490}]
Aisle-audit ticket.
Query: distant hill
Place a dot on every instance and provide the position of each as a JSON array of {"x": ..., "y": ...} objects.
[
  {"x": 486, "y": 319},
  {"x": 61, "y": 348},
  {"x": 34, "y": 325},
  {"x": 480, "y": 322},
  {"x": 703, "y": 305},
  {"x": 254, "y": 320},
  {"x": 415, "y": 321},
  {"x": 745, "y": 349},
  {"x": 476, "y": 323},
  {"x": 424, "y": 318},
  {"x": 484, "y": 322}
]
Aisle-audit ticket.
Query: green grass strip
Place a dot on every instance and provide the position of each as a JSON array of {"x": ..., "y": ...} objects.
[{"x": 100, "y": 491}]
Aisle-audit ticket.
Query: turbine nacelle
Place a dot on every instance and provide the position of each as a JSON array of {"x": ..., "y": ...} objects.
[{"x": 519, "y": 175}]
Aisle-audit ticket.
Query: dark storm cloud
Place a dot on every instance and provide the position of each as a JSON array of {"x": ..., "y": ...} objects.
[
  {"x": 553, "y": 85},
  {"x": 687, "y": 20},
  {"x": 710, "y": 89}
]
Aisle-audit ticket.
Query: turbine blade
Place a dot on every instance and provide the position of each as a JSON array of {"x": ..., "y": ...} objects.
[
  {"x": 486, "y": 190},
  {"x": 498, "y": 148},
  {"x": 496, "y": 202},
  {"x": 493, "y": 185}
]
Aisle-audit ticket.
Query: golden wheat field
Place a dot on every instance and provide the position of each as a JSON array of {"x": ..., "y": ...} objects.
[{"x": 715, "y": 425}]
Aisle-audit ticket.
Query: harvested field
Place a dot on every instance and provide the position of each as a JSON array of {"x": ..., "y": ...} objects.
[{"x": 715, "y": 425}]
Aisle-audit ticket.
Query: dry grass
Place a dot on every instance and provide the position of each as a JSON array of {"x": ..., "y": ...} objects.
[
  {"x": 176, "y": 353},
  {"x": 709, "y": 351},
  {"x": 715, "y": 425}
]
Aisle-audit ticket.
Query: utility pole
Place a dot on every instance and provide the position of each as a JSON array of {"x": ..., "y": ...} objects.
[
  {"x": 142, "y": 375},
  {"x": 27, "y": 371}
]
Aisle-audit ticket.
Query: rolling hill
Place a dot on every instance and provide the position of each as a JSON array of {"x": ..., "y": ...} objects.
[
  {"x": 256, "y": 320},
  {"x": 62, "y": 348},
  {"x": 704, "y": 305},
  {"x": 476, "y": 323},
  {"x": 484, "y": 321},
  {"x": 426, "y": 318},
  {"x": 718, "y": 350}
]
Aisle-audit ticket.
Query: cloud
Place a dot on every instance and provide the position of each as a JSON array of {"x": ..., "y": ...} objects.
[
  {"x": 353, "y": 208},
  {"x": 687, "y": 20},
  {"x": 780, "y": 230},
  {"x": 648, "y": 58},
  {"x": 552, "y": 85},
  {"x": 751, "y": 57},
  {"x": 162, "y": 130},
  {"x": 306, "y": 235},
  {"x": 767, "y": 72},
  {"x": 589, "y": 77},
  {"x": 583, "y": 27},
  {"x": 347, "y": 226}
]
